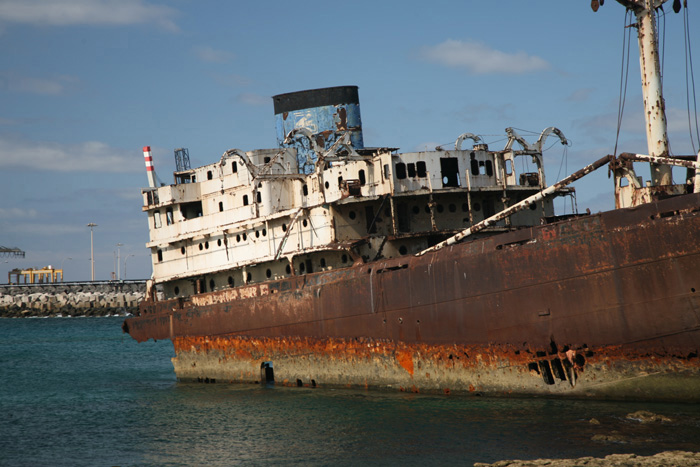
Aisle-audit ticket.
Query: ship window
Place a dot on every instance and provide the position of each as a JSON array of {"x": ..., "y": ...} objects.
[
  {"x": 489, "y": 168},
  {"x": 245, "y": 237},
  {"x": 533, "y": 206},
  {"x": 386, "y": 171},
  {"x": 440, "y": 208},
  {"x": 288, "y": 269},
  {"x": 482, "y": 168},
  {"x": 411, "y": 170},
  {"x": 211, "y": 284},
  {"x": 509, "y": 167},
  {"x": 221, "y": 206},
  {"x": 194, "y": 178},
  {"x": 264, "y": 232},
  {"x": 305, "y": 223},
  {"x": 249, "y": 277},
  {"x": 351, "y": 215},
  {"x": 284, "y": 227},
  {"x": 169, "y": 216},
  {"x": 327, "y": 185},
  {"x": 403, "y": 250},
  {"x": 230, "y": 281},
  {"x": 234, "y": 167},
  {"x": 449, "y": 168},
  {"x": 200, "y": 247},
  {"x": 206, "y": 245},
  {"x": 191, "y": 210},
  {"x": 344, "y": 258},
  {"x": 305, "y": 190},
  {"x": 400, "y": 170},
  {"x": 475, "y": 167},
  {"x": 451, "y": 207},
  {"x": 218, "y": 242},
  {"x": 257, "y": 234},
  {"x": 309, "y": 266},
  {"x": 420, "y": 169},
  {"x": 302, "y": 268},
  {"x": 268, "y": 273},
  {"x": 361, "y": 176},
  {"x": 209, "y": 175},
  {"x": 160, "y": 255},
  {"x": 156, "y": 220},
  {"x": 415, "y": 209},
  {"x": 323, "y": 262},
  {"x": 182, "y": 250},
  {"x": 266, "y": 160},
  {"x": 258, "y": 197},
  {"x": 238, "y": 237},
  {"x": 177, "y": 290},
  {"x": 245, "y": 200}
]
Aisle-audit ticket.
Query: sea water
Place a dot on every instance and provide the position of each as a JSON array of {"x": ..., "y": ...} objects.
[{"x": 77, "y": 391}]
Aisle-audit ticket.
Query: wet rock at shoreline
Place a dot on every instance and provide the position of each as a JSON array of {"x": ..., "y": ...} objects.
[{"x": 662, "y": 459}]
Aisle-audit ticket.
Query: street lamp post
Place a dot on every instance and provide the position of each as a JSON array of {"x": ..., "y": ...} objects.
[
  {"x": 125, "y": 260},
  {"x": 92, "y": 252},
  {"x": 119, "y": 276}
]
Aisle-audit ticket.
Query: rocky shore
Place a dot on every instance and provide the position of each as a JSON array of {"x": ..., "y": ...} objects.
[
  {"x": 71, "y": 299},
  {"x": 662, "y": 459}
]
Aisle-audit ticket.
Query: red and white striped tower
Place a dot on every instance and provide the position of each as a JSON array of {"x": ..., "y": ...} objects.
[{"x": 149, "y": 166}]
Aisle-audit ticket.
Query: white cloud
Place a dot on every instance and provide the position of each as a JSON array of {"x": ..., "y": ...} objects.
[
  {"x": 90, "y": 156},
  {"x": 253, "y": 99},
  {"x": 208, "y": 54},
  {"x": 86, "y": 12},
  {"x": 17, "y": 213},
  {"x": 479, "y": 58},
  {"x": 54, "y": 86}
]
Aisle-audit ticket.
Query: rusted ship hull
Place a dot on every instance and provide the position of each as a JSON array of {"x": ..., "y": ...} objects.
[{"x": 605, "y": 306}]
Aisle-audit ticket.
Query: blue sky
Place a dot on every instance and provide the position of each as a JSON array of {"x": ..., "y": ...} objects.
[{"x": 85, "y": 84}]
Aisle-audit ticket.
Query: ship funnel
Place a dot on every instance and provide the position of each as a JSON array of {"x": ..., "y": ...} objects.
[
  {"x": 326, "y": 113},
  {"x": 149, "y": 166}
]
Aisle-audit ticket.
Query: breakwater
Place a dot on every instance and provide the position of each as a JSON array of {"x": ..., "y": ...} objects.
[{"x": 71, "y": 298}]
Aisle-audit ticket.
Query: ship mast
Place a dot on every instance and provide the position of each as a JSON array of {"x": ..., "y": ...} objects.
[{"x": 654, "y": 107}]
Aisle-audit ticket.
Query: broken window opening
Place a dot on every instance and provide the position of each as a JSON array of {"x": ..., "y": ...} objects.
[
  {"x": 411, "y": 170},
  {"x": 421, "y": 170},
  {"x": 156, "y": 220},
  {"x": 245, "y": 200},
  {"x": 449, "y": 168},
  {"x": 209, "y": 175},
  {"x": 169, "y": 216},
  {"x": 361, "y": 176},
  {"x": 400, "y": 170}
]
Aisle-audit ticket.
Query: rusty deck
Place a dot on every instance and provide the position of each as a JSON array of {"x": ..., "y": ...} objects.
[{"x": 605, "y": 305}]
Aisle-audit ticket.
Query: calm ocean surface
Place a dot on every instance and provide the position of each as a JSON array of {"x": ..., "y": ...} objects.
[{"x": 76, "y": 391}]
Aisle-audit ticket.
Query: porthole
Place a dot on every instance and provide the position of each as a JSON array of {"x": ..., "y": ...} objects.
[
  {"x": 440, "y": 208},
  {"x": 257, "y": 234},
  {"x": 201, "y": 247},
  {"x": 284, "y": 227},
  {"x": 218, "y": 242},
  {"x": 177, "y": 290},
  {"x": 352, "y": 215},
  {"x": 288, "y": 269},
  {"x": 327, "y": 185},
  {"x": 302, "y": 268},
  {"x": 305, "y": 223},
  {"x": 268, "y": 273},
  {"x": 249, "y": 277},
  {"x": 533, "y": 206},
  {"x": 206, "y": 245},
  {"x": 415, "y": 209},
  {"x": 264, "y": 232},
  {"x": 238, "y": 237},
  {"x": 245, "y": 237},
  {"x": 403, "y": 250},
  {"x": 182, "y": 250}
]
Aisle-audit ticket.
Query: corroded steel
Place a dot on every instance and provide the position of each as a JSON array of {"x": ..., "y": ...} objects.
[{"x": 514, "y": 303}]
